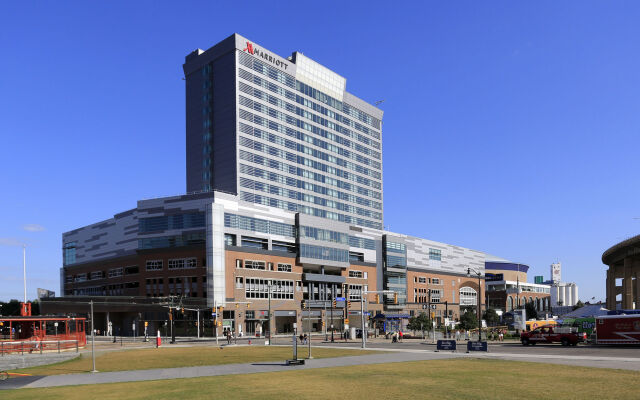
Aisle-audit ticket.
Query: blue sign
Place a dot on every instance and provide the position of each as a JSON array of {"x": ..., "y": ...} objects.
[
  {"x": 446, "y": 345},
  {"x": 476, "y": 346},
  {"x": 339, "y": 298},
  {"x": 213, "y": 314}
]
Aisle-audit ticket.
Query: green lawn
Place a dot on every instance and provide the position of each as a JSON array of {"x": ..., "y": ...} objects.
[
  {"x": 171, "y": 357},
  {"x": 438, "y": 379}
]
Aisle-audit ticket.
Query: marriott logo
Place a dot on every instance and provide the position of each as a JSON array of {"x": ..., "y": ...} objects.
[{"x": 251, "y": 49}]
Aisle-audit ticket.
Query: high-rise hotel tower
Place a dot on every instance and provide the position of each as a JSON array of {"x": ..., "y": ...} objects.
[{"x": 283, "y": 133}]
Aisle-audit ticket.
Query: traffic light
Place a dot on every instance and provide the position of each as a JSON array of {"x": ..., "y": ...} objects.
[
  {"x": 335, "y": 304},
  {"x": 182, "y": 309},
  {"x": 378, "y": 298},
  {"x": 433, "y": 314},
  {"x": 349, "y": 304},
  {"x": 248, "y": 304},
  {"x": 395, "y": 298},
  {"x": 304, "y": 304},
  {"x": 237, "y": 305}
]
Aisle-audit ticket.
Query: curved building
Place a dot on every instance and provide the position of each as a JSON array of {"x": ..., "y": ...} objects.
[
  {"x": 508, "y": 289},
  {"x": 623, "y": 260}
]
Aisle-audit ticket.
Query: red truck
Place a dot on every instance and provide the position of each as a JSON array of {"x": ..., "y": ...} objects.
[
  {"x": 618, "y": 329},
  {"x": 553, "y": 334}
]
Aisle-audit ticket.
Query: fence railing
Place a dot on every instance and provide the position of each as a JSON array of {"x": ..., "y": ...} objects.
[{"x": 37, "y": 346}]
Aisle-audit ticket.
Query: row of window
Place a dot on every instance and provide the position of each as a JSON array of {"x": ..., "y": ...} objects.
[
  {"x": 186, "y": 239},
  {"x": 323, "y": 253},
  {"x": 178, "y": 221},
  {"x": 324, "y": 235},
  {"x": 256, "y": 80},
  {"x": 258, "y": 288},
  {"x": 253, "y": 264},
  {"x": 175, "y": 263},
  {"x": 283, "y": 104},
  {"x": 307, "y": 198},
  {"x": 295, "y": 207},
  {"x": 432, "y": 281},
  {"x": 258, "y": 225},
  {"x": 288, "y": 80},
  {"x": 344, "y": 143},
  {"x": 294, "y": 170},
  {"x": 301, "y": 184},
  {"x": 321, "y": 155}
]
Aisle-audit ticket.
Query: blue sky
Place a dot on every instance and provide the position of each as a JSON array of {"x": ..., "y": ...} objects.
[{"x": 509, "y": 127}]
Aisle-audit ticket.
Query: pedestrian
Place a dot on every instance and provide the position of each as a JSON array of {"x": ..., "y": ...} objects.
[
  {"x": 305, "y": 339},
  {"x": 301, "y": 338},
  {"x": 400, "y": 335},
  {"x": 501, "y": 335}
]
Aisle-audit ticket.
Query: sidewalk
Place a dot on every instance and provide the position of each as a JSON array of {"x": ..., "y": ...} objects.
[{"x": 216, "y": 370}]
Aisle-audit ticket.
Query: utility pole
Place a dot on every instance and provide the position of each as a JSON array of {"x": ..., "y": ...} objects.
[
  {"x": 309, "y": 326},
  {"x": 93, "y": 340},
  {"x": 24, "y": 271},
  {"x": 362, "y": 298},
  {"x": 198, "y": 323},
  {"x": 269, "y": 316}
]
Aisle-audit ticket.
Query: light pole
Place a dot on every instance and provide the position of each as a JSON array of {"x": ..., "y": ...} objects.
[
  {"x": 479, "y": 274},
  {"x": 363, "y": 294}
]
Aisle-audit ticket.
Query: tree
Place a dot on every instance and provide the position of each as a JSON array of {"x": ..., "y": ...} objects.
[
  {"x": 579, "y": 304},
  {"x": 419, "y": 323},
  {"x": 491, "y": 317},
  {"x": 468, "y": 320},
  {"x": 531, "y": 310}
]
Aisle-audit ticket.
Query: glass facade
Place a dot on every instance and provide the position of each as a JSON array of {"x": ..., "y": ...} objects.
[
  {"x": 323, "y": 234},
  {"x": 395, "y": 275},
  {"x": 166, "y": 222},
  {"x": 305, "y": 151},
  {"x": 187, "y": 239},
  {"x": 323, "y": 253},
  {"x": 258, "y": 225},
  {"x": 69, "y": 253}
]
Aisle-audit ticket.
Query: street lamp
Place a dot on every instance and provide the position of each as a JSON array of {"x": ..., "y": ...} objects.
[{"x": 479, "y": 274}]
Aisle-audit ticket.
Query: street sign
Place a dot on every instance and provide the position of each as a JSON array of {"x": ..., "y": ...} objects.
[
  {"x": 340, "y": 298},
  {"x": 476, "y": 346},
  {"x": 432, "y": 306},
  {"x": 446, "y": 345},
  {"x": 213, "y": 314}
]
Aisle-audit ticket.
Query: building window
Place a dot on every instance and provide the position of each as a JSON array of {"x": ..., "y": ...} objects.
[
  {"x": 436, "y": 294},
  {"x": 249, "y": 264},
  {"x": 115, "y": 272},
  {"x": 283, "y": 246},
  {"x": 284, "y": 267},
  {"x": 353, "y": 256},
  {"x": 229, "y": 239},
  {"x": 131, "y": 270},
  {"x": 422, "y": 279},
  {"x": 69, "y": 253},
  {"x": 436, "y": 281},
  {"x": 96, "y": 275},
  {"x": 254, "y": 242},
  {"x": 468, "y": 296},
  {"x": 256, "y": 288},
  {"x": 154, "y": 265},
  {"x": 435, "y": 254},
  {"x": 355, "y": 292},
  {"x": 238, "y": 263},
  {"x": 182, "y": 263},
  {"x": 323, "y": 253}
]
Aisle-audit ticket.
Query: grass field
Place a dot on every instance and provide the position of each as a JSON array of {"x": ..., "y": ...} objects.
[
  {"x": 438, "y": 379},
  {"x": 172, "y": 357}
]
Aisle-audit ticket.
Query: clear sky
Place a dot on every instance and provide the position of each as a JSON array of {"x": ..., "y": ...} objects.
[{"x": 510, "y": 127}]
